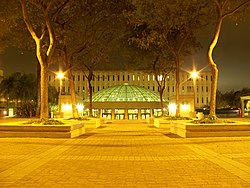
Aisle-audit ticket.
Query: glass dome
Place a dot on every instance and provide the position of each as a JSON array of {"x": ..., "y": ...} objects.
[{"x": 127, "y": 93}]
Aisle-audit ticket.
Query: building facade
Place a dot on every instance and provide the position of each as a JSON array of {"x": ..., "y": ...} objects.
[{"x": 105, "y": 79}]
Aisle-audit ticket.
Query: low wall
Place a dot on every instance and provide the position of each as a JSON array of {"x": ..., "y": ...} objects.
[
  {"x": 162, "y": 123},
  {"x": 188, "y": 130},
  {"x": 93, "y": 123},
  {"x": 42, "y": 131}
]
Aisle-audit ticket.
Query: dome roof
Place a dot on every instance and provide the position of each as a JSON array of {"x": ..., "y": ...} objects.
[{"x": 126, "y": 92}]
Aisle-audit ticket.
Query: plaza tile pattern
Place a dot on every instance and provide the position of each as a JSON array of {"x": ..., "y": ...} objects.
[{"x": 128, "y": 154}]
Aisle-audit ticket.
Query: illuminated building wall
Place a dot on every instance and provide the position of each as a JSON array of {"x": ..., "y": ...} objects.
[{"x": 106, "y": 79}]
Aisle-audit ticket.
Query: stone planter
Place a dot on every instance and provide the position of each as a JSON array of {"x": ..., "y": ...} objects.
[
  {"x": 188, "y": 130},
  {"x": 42, "y": 131},
  {"x": 92, "y": 123},
  {"x": 150, "y": 120},
  {"x": 162, "y": 123}
]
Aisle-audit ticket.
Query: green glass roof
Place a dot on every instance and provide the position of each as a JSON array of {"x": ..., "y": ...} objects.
[{"x": 126, "y": 93}]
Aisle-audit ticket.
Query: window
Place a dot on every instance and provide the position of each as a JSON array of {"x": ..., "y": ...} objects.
[
  {"x": 78, "y": 78},
  {"x": 173, "y": 88},
  {"x": 83, "y": 77},
  {"x": 98, "y": 78},
  {"x": 49, "y": 78},
  {"x": 202, "y": 100},
  {"x": 93, "y": 89},
  {"x": 103, "y": 78},
  {"x": 148, "y": 77},
  {"x": 206, "y": 88},
  {"x": 113, "y": 77},
  {"x": 83, "y": 88},
  {"x": 118, "y": 78},
  {"x": 128, "y": 77},
  {"x": 123, "y": 78},
  {"x": 153, "y": 88},
  {"x": 206, "y": 78},
  {"x": 98, "y": 88},
  {"x": 108, "y": 78},
  {"x": 168, "y": 89},
  {"x": 74, "y": 78}
]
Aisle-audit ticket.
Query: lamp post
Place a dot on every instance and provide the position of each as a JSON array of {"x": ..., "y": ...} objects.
[
  {"x": 194, "y": 76},
  {"x": 60, "y": 76}
]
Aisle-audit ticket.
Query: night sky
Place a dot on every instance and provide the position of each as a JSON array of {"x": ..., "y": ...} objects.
[{"x": 232, "y": 56}]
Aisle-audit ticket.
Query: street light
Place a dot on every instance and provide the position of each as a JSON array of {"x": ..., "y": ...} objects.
[
  {"x": 60, "y": 76},
  {"x": 194, "y": 76}
]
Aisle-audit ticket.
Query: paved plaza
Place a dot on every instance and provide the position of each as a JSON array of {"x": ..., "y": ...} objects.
[{"x": 127, "y": 154}]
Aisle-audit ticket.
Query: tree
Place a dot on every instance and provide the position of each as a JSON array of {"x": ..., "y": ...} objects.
[
  {"x": 43, "y": 34},
  {"x": 85, "y": 37},
  {"x": 170, "y": 27},
  {"x": 224, "y": 9},
  {"x": 161, "y": 70},
  {"x": 19, "y": 88}
]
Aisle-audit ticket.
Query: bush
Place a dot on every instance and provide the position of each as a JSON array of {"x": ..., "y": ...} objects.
[{"x": 45, "y": 122}]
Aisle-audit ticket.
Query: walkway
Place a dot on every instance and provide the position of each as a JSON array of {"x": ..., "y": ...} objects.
[{"x": 125, "y": 155}]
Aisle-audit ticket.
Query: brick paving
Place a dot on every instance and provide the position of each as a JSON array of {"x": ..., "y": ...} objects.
[{"x": 125, "y": 154}]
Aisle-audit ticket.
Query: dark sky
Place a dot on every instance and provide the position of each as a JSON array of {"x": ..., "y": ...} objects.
[{"x": 232, "y": 55}]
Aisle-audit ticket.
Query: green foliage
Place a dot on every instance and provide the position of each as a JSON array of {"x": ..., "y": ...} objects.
[
  {"x": 19, "y": 87},
  {"x": 176, "y": 118},
  {"x": 80, "y": 119},
  {"x": 26, "y": 109},
  {"x": 230, "y": 99},
  {"x": 44, "y": 122},
  {"x": 213, "y": 120}
]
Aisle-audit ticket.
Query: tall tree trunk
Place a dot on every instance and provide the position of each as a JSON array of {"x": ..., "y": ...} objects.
[
  {"x": 90, "y": 76},
  {"x": 38, "y": 98},
  {"x": 161, "y": 99},
  {"x": 44, "y": 112},
  {"x": 177, "y": 85},
  {"x": 73, "y": 94},
  {"x": 214, "y": 69}
]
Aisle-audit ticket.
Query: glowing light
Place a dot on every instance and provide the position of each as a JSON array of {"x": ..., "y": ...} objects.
[
  {"x": 185, "y": 107},
  {"x": 172, "y": 109},
  {"x": 80, "y": 107},
  {"x": 194, "y": 74},
  {"x": 66, "y": 107},
  {"x": 60, "y": 75}
]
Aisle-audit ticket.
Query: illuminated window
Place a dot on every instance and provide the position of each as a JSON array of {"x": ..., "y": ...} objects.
[{"x": 148, "y": 77}]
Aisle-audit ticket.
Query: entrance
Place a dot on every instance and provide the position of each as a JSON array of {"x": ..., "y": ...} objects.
[
  {"x": 119, "y": 114},
  {"x": 145, "y": 113},
  {"x": 157, "y": 112},
  {"x": 107, "y": 113},
  {"x": 132, "y": 113}
]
